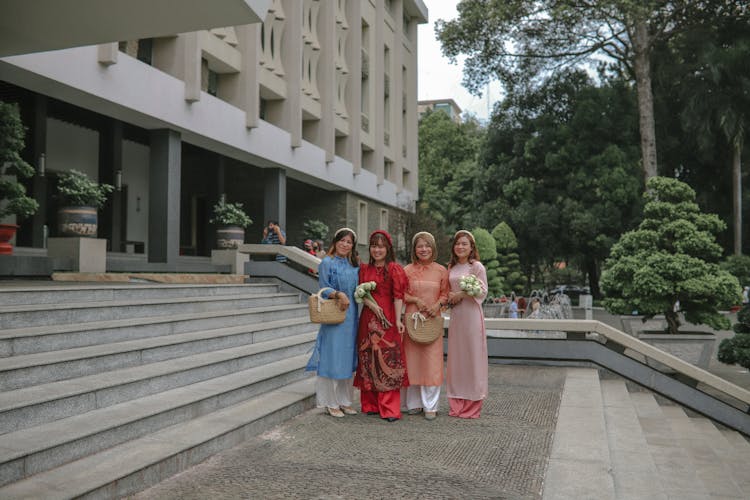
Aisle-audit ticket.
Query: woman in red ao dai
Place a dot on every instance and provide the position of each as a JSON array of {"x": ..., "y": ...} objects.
[{"x": 381, "y": 368}]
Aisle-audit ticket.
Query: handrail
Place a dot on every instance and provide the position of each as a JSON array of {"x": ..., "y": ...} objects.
[
  {"x": 294, "y": 254},
  {"x": 624, "y": 340}
]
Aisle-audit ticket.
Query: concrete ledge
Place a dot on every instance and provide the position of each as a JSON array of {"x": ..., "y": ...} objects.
[
  {"x": 155, "y": 277},
  {"x": 88, "y": 255}
]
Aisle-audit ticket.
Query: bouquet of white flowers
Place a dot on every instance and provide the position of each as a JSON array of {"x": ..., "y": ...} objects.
[
  {"x": 471, "y": 285},
  {"x": 363, "y": 290}
]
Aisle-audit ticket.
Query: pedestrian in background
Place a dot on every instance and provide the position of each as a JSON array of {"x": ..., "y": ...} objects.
[{"x": 274, "y": 235}]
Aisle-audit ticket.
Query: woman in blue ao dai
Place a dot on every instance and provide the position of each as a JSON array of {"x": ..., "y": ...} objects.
[{"x": 335, "y": 358}]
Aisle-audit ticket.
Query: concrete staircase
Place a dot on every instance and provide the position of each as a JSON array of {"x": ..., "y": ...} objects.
[
  {"x": 614, "y": 444},
  {"x": 105, "y": 390}
]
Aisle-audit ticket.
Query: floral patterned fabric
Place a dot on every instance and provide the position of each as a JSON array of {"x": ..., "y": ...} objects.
[{"x": 382, "y": 365}]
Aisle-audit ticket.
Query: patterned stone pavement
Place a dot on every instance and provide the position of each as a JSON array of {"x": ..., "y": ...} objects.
[{"x": 502, "y": 455}]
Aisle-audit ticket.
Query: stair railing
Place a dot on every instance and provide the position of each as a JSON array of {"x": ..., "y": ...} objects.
[{"x": 601, "y": 344}]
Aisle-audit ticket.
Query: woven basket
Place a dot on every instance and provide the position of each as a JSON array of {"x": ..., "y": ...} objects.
[
  {"x": 325, "y": 311},
  {"x": 424, "y": 330}
]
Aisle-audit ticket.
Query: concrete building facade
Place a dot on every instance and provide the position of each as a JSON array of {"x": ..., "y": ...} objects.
[{"x": 310, "y": 114}]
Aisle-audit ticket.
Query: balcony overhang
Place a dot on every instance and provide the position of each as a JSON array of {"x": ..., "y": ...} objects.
[{"x": 43, "y": 25}]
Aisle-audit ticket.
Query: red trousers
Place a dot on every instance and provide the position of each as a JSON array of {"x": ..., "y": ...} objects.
[
  {"x": 387, "y": 404},
  {"x": 464, "y": 408}
]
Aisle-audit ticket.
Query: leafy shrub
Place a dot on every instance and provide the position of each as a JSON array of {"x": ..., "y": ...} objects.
[
  {"x": 13, "y": 199},
  {"x": 736, "y": 350},
  {"x": 230, "y": 214},
  {"x": 76, "y": 189},
  {"x": 315, "y": 229}
]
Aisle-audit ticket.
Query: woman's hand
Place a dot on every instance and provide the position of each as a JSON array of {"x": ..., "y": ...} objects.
[
  {"x": 456, "y": 297},
  {"x": 342, "y": 301},
  {"x": 434, "y": 310},
  {"x": 378, "y": 311},
  {"x": 399, "y": 325},
  {"x": 420, "y": 305}
]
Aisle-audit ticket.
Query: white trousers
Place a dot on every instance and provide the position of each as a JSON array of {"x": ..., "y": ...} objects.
[
  {"x": 422, "y": 396},
  {"x": 333, "y": 393}
]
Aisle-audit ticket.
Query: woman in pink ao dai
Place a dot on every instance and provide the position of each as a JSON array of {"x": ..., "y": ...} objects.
[{"x": 467, "y": 378}]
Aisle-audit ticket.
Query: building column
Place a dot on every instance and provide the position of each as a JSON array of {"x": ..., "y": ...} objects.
[
  {"x": 354, "y": 90},
  {"x": 274, "y": 199},
  {"x": 291, "y": 54},
  {"x": 39, "y": 182},
  {"x": 377, "y": 114},
  {"x": 110, "y": 163},
  {"x": 164, "y": 197}
]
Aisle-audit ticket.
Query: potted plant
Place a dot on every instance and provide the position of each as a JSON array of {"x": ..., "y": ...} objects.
[
  {"x": 13, "y": 199},
  {"x": 669, "y": 266},
  {"x": 80, "y": 198},
  {"x": 232, "y": 221}
]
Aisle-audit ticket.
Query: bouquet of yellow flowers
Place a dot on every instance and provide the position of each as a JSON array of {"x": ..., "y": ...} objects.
[
  {"x": 363, "y": 290},
  {"x": 471, "y": 285}
]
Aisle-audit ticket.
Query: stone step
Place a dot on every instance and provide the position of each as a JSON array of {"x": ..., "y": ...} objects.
[
  {"x": 739, "y": 442},
  {"x": 29, "y": 340},
  {"x": 137, "y": 464},
  {"x": 62, "y": 294},
  {"x": 82, "y": 312},
  {"x": 673, "y": 463},
  {"x": 33, "y": 369},
  {"x": 580, "y": 448},
  {"x": 633, "y": 469},
  {"x": 735, "y": 462},
  {"x": 34, "y": 450},
  {"x": 30, "y": 406},
  {"x": 709, "y": 466}
]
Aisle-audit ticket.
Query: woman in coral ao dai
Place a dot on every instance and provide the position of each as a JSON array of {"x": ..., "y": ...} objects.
[
  {"x": 426, "y": 293},
  {"x": 381, "y": 369},
  {"x": 467, "y": 379},
  {"x": 334, "y": 358}
]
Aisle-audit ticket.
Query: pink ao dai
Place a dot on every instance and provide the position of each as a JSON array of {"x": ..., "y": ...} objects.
[{"x": 467, "y": 376}]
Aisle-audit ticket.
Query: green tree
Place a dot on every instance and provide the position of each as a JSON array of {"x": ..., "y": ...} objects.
[
  {"x": 13, "y": 199},
  {"x": 448, "y": 156},
  {"x": 488, "y": 256},
  {"x": 716, "y": 93},
  {"x": 672, "y": 257},
  {"x": 561, "y": 168},
  {"x": 519, "y": 41},
  {"x": 507, "y": 255}
]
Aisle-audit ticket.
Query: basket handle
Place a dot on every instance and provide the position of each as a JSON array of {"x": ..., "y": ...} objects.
[
  {"x": 319, "y": 294},
  {"x": 418, "y": 316}
]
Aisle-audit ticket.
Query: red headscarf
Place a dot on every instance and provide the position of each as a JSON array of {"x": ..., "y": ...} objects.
[{"x": 385, "y": 235}]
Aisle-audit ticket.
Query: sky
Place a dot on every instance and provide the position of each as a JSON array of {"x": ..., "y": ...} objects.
[{"x": 438, "y": 78}]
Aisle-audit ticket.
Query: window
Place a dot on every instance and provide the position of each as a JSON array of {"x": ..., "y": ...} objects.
[
  {"x": 384, "y": 219},
  {"x": 362, "y": 219}
]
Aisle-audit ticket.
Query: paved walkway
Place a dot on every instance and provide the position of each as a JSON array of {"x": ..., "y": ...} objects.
[{"x": 501, "y": 455}]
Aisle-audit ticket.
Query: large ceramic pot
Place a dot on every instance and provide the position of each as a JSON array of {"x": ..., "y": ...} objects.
[
  {"x": 77, "y": 221},
  {"x": 6, "y": 234},
  {"x": 228, "y": 237},
  {"x": 694, "y": 347}
]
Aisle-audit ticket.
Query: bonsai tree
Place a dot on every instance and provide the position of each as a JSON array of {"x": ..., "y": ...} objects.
[
  {"x": 671, "y": 259},
  {"x": 230, "y": 214},
  {"x": 488, "y": 253},
  {"x": 737, "y": 349},
  {"x": 76, "y": 189},
  {"x": 507, "y": 255},
  {"x": 13, "y": 199},
  {"x": 315, "y": 229}
]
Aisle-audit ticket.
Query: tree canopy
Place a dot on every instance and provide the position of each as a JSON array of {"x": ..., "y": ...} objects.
[{"x": 522, "y": 43}]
